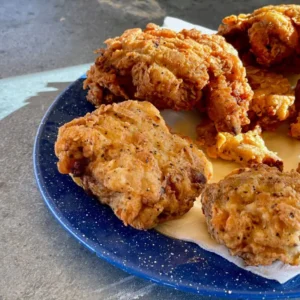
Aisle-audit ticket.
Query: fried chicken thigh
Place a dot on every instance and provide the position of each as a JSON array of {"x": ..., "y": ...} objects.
[
  {"x": 255, "y": 213},
  {"x": 270, "y": 33},
  {"x": 179, "y": 71},
  {"x": 125, "y": 155}
]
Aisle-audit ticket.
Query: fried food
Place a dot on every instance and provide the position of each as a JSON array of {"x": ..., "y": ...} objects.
[
  {"x": 125, "y": 155},
  {"x": 173, "y": 70},
  {"x": 255, "y": 213},
  {"x": 273, "y": 97},
  {"x": 246, "y": 148},
  {"x": 270, "y": 33}
]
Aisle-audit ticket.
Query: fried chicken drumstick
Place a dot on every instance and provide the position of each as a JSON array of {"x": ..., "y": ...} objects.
[
  {"x": 125, "y": 155},
  {"x": 256, "y": 214},
  {"x": 270, "y": 33},
  {"x": 179, "y": 71}
]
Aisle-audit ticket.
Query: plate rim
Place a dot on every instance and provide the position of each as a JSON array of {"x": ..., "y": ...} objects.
[{"x": 113, "y": 259}]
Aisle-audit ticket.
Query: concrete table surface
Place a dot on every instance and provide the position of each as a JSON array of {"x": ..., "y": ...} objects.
[{"x": 39, "y": 260}]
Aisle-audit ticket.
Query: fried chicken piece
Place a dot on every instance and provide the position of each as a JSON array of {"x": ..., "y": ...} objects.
[
  {"x": 273, "y": 97},
  {"x": 255, "y": 213},
  {"x": 171, "y": 70},
  {"x": 246, "y": 149},
  {"x": 125, "y": 155},
  {"x": 271, "y": 33}
]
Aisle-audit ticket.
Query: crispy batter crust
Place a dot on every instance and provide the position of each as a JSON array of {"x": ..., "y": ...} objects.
[
  {"x": 273, "y": 97},
  {"x": 125, "y": 155},
  {"x": 173, "y": 70},
  {"x": 271, "y": 33},
  {"x": 256, "y": 214},
  {"x": 247, "y": 149}
]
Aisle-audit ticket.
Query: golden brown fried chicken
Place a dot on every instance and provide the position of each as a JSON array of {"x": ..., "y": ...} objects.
[
  {"x": 271, "y": 33},
  {"x": 125, "y": 155},
  {"x": 255, "y": 213},
  {"x": 246, "y": 149},
  {"x": 171, "y": 70},
  {"x": 273, "y": 97}
]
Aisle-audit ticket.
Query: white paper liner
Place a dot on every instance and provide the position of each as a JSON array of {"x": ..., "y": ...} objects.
[
  {"x": 177, "y": 25},
  {"x": 195, "y": 220}
]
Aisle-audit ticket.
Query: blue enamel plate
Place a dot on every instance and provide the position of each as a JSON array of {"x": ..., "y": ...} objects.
[{"x": 146, "y": 254}]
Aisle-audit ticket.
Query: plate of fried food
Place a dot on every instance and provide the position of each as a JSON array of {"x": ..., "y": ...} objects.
[{"x": 176, "y": 157}]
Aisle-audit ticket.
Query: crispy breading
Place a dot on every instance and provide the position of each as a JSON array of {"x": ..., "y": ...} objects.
[
  {"x": 246, "y": 148},
  {"x": 125, "y": 155},
  {"x": 273, "y": 97},
  {"x": 271, "y": 33},
  {"x": 172, "y": 70},
  {"x": 255, "y": 213}
]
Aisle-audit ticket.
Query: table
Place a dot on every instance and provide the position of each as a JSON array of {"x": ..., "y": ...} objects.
[{"x": 52, "y": 42}]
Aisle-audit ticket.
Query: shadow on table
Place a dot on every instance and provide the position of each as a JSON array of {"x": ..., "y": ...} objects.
[{"x": 47, "y": 256}]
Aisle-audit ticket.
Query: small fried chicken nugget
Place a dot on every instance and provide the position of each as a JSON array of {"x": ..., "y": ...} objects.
[
  {"x": 246, "y": 148},
  {"x": 125, "y": 155},
  {"x": 255, "y": 213},
  {"x": 271, "y": 33}
]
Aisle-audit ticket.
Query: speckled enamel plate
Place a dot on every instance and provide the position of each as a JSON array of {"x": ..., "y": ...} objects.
[{"x": 146, "y": 254}]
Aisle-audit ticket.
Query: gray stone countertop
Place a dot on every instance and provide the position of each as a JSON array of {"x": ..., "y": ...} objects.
[{"x": 38, "y": 259}]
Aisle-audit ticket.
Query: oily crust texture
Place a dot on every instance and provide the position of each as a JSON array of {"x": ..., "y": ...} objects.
[
  {"x": 273, "y": 99},
  {"x": 256, "y": 214},
  {"x": 247, "y": 148},
  {"x": 125, "y": 155},
  {"x": 270, "y": 33},
  {"x": 273, "y": 103},
  {"x": 179, "y": 71}
]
